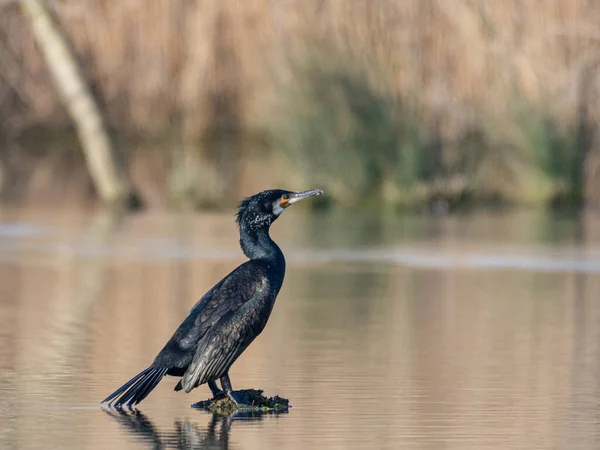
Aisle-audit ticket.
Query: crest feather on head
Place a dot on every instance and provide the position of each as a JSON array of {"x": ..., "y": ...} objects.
[{"x": 241, "y": 209}]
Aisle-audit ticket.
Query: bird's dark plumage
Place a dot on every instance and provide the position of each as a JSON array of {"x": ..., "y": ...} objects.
[{"x": 229, "y": 316}]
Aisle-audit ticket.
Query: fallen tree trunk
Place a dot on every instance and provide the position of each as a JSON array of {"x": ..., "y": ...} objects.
[{"x": 108, "y": 174}]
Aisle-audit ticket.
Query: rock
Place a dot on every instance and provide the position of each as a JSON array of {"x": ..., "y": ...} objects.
[{"x": 257, "y": 402}]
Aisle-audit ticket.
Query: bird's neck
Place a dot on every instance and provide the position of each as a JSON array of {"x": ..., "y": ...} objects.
[{"x": 257, "y": 244}]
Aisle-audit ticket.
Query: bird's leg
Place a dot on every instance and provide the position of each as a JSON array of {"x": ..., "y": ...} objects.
[
  {"x": 216, "y": 392},
  {"x": 234, "y": 397}
]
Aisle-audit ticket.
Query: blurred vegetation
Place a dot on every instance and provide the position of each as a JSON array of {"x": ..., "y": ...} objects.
[{"x": 393, "y": 103}]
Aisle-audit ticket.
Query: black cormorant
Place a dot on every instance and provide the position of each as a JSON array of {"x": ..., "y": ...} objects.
[{"x": 229, "y": 316}]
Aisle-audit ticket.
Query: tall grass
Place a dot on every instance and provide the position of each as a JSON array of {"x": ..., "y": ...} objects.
[
  {"x": 338, "y": 130},
  {"x": 398, "y": 102}
]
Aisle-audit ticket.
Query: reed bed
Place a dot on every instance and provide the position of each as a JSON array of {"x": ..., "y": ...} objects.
[{"x": 396, "y": 102}]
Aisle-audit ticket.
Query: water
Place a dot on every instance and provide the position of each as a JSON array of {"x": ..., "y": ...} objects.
[{"x": 390, "y": 331}]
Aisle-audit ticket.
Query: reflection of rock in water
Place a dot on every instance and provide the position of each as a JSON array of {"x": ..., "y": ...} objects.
[{"x": 185, "y": 434}]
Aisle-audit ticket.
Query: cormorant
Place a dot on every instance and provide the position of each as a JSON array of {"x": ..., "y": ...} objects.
[{"x": 229, "y": 316}]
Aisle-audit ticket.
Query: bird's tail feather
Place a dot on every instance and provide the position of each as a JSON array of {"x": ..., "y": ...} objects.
[{"x": 136, "y": 389}]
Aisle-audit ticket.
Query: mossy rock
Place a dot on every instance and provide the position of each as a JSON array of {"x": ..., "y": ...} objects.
[{"x": 256, "y": 402}]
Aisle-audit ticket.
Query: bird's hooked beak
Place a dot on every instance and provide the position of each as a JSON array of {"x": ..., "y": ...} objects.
[
  {"x": 294, "y": 197},
  {"x": 297, "y": 196}
]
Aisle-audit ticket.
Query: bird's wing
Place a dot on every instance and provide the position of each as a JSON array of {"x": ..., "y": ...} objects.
[
  {"x": 221, "y": 345},
  {"x": 226, "y": 296}
]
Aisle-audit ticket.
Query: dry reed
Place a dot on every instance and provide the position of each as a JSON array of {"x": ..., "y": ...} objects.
[{"x": 500, "y": 97}]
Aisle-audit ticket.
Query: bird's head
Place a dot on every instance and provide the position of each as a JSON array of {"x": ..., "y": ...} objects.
[{"x": 262, "y": 209}]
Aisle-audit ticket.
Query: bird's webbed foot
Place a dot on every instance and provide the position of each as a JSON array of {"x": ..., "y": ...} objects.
[
  {"x": 238, "y": 399},
  {"x": 235, "y": 397}
]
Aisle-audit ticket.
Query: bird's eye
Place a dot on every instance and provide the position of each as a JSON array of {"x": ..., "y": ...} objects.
[{"x": 284, "y": 196}]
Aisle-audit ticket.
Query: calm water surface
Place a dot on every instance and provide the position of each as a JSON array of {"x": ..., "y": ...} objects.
[{"x": 480, "y": 331}]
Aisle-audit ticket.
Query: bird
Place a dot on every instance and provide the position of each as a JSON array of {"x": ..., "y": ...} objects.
[{"x": 225, "y": 321}]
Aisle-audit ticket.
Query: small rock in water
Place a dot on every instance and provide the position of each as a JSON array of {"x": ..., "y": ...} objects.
[{"x": 256, "y": 403}]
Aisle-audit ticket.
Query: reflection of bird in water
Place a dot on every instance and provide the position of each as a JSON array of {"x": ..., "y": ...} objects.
[
  {"x": 185, "y": 434},
  {"x": 229, "y": 316}
]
